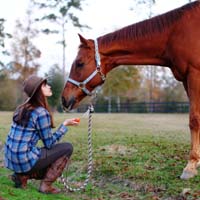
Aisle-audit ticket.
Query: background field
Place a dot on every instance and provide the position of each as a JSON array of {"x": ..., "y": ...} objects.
[{"x": 135, "y": 156}]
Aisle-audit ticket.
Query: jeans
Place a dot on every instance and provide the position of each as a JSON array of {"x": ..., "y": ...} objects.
[{"x": 49, "y": 156}]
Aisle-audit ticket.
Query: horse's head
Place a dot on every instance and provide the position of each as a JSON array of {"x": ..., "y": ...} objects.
[{"x": 86, "y": 74}]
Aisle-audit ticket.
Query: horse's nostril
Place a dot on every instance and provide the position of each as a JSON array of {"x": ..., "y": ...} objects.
[
  {"x": 68, "y": 104},
  {"x": 64, "y": 102}
]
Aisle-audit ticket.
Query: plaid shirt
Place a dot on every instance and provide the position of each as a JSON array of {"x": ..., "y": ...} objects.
[{"x": 21, "y": 152}]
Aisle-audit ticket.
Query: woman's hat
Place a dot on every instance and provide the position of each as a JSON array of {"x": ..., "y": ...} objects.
[{"x": 31, "y": 84}]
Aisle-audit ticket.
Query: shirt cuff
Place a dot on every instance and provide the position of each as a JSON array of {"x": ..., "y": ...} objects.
[{"x": 63, "y": 129}]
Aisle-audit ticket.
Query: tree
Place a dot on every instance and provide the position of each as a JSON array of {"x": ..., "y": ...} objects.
[
  {"x": 8, "y": 94},
  {"x": 3, "y": 51},
  {"x": 8, "y": 91},
  {"x": 61, "y": 13},
  {"x": 24, "y": 52},
  {"x": 56, "y": 81},
  {"x": 171, "y": 89},
  {"x": 121, "y": 82}
]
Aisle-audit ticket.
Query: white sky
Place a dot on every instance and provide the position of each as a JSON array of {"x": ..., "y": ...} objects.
[{"x": 103, "y": 16}]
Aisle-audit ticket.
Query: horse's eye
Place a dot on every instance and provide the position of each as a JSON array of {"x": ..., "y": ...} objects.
[{"x": 79, "y": 64}]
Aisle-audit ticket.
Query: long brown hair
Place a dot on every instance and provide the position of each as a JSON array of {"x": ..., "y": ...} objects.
[{"x": 22, "y": 113}]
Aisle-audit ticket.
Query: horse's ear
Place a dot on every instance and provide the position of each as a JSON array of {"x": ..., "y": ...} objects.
[{"x": 83, "y": 40}]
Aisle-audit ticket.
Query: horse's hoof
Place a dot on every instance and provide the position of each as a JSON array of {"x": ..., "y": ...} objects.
[
  {"x": 188, "y": 174},
  {"x": 198, "y": 164}
]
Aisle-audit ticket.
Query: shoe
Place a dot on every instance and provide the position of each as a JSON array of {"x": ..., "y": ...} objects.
[{"x": 20, "y": 180}]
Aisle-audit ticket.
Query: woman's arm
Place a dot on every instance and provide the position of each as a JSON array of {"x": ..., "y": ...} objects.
[{"x": 45, "y": 131}]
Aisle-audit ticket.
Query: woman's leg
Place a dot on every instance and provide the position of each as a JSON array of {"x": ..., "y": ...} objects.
[
  {"x": 54, "y": 160},
  {"x": 53, "y": 172},
  {"x": 49, "y": 156}
]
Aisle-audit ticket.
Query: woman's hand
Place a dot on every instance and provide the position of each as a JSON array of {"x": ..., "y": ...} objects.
[{"x": 71, "y": 122}]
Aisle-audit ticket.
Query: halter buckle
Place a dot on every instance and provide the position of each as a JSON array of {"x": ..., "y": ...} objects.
[
  {"x": 103, "y": 77},
  {"x": 81, "y": 85}
]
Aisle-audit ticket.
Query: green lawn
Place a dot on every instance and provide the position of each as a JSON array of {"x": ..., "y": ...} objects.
[{"x": 135, "y": 156}]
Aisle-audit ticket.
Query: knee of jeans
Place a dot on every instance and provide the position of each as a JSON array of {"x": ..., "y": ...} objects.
[{"x": 69, "y": 149}]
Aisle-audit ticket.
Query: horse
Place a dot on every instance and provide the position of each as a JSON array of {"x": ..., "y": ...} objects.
[{"x": 169, "y": 40}]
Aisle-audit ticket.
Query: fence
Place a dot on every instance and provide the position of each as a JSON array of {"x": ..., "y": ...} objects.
[{"x": 140, "y": 107}]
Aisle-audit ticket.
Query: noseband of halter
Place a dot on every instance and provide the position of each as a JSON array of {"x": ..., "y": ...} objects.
[{"x": 82, "y": 85}]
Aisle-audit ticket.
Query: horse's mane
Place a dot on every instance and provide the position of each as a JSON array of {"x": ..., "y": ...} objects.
[{"x": 149, "y": 26}]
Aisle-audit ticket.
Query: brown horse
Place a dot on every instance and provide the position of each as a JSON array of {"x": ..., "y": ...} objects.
[{"x": 171, "y": 40}]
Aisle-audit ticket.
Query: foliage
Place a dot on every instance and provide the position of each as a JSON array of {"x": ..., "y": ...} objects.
[
  {"x": 144, "y": 4},
  {"x": 3, "y": 36},
  {"x": 24, "y": 52},
  {"x": 8, "y": 94},
  {"x": 56, "y": 81},
  {"x": 3, "y": 50},
  {"x": 59, "y": 13},
  {"x": 174, "y": 91},
  {"x": 144, "y": 1},
  {"x": 121, "y": 81},
  {"x": 161, "y": 87},
  {"x": 135, "y": 156}
]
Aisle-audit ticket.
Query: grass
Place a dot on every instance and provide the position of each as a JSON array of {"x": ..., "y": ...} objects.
[{"x": 135, "y": 156}]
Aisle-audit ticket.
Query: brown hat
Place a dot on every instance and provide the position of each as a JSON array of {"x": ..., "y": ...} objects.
[{"x": 31, "y": 84}]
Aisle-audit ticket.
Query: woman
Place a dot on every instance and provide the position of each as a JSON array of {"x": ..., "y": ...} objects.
[{"x": 32, "y": 121}]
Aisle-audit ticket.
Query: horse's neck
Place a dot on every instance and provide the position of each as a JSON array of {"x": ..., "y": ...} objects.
[{"x": 142, "y": 51}]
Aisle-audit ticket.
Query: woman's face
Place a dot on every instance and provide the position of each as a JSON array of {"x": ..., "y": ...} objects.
[{"x": 46, "y": 90}]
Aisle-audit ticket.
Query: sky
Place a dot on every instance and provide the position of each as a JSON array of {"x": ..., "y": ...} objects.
[{"x": 103, "y": 16}]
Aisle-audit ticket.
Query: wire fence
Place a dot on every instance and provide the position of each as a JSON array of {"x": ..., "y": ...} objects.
[{"x": 139, "y": 107}]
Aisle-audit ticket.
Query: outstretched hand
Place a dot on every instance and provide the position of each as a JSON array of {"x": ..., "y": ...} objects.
[{"x": 71, "y": 122}]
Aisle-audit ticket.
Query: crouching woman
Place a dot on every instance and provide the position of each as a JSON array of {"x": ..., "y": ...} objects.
[{"x": 32, "y": 121}]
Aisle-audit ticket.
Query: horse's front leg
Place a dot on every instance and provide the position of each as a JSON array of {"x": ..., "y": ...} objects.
[
  {"x": 191, "y": 169},
  {"x": 194, "y": 123}
]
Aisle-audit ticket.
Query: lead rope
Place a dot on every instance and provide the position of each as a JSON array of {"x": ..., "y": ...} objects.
[{"x": 89, "y": 170}]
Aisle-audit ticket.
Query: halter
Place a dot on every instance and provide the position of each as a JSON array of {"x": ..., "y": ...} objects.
[{"x": 82, "y": 85}]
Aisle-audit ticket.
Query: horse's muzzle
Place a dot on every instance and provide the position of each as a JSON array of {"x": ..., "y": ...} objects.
[{"x": 68, "y": 105}]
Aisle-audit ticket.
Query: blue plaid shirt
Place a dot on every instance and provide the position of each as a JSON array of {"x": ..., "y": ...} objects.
[{"x": 21, "y": 152}]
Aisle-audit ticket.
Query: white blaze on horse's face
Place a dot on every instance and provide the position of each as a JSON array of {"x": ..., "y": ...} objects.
[{"x": 85, "y": 74}]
